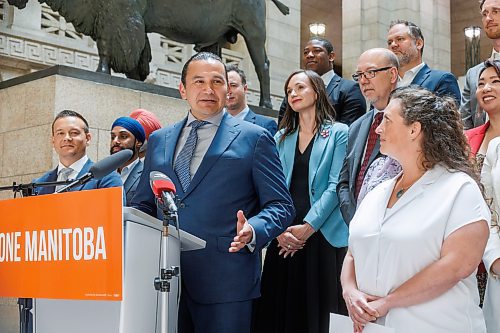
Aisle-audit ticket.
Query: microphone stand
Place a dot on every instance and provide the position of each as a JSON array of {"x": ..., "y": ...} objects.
[
  {"x": 28, "y": 190},
  {"x": 162, "y": 283},
  {"x": 73, "y": 183},
  {"x": 26, "y": 304}
]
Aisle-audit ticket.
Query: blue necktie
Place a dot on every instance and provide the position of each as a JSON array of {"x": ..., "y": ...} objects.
[{"x": 182, "y": 165}]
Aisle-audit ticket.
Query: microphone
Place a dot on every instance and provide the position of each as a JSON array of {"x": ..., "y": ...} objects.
[
  {"x": 109, "y": 164},
  {"x": 101, "y": 169},
  {"x": 164, "y": 190}
]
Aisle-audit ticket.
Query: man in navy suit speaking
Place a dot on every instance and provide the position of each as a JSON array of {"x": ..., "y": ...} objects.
[{"x": 231, "y": 193}]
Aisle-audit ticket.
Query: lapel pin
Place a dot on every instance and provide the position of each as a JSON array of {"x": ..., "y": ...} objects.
[{"x": 325, "y": 133}]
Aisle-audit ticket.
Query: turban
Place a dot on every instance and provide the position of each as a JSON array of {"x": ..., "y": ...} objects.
[
  {"x": 131, "y": 125},
  {"x": 148, "y": 120}
]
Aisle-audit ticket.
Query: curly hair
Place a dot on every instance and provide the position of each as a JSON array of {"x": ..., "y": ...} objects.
[
  {"x": 443, "y": 140},
  {"x": 325, "y": 112}
]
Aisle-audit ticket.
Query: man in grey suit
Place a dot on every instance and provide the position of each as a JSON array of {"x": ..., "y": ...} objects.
[
  {"x": 472, "y": 115},
  {"x": 236, "y": 104},
  {"x": 377, "y": 74},
  {"x": 128, "y": 133},
  {"x": 405, "y": 39}
]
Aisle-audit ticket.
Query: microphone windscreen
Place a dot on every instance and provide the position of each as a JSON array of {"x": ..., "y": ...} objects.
[
  {"x": 109, "y": 164},
  {"x": 158, "y": 181},
  {"x": 160, "y": 186}
]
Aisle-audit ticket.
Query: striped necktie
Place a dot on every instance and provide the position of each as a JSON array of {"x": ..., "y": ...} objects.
[
  {"x": 63, "y": 175},
  {"x": 182, "y": 165}
]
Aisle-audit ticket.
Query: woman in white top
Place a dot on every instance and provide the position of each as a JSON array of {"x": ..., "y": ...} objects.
[
  {"x": 485, "y": 145},
  {"x": 490, "y": 177},
  {"x": 417, "y": 239}
]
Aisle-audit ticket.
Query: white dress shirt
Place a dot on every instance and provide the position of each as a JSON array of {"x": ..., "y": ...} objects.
[
  {"x": 125, "y": 172},
  {"x": 242, "y": 114},
  {"x": 407, "y": 79},
  {"x": 328, "y": 76},
  {"x": 76, "y": 166}
]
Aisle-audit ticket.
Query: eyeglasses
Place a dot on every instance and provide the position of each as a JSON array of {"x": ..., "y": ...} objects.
[{"x": 369, "y": 74}]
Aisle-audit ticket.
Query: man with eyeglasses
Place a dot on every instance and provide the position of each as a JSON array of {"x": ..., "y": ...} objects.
[
  {"x": 345, "y": 96},
  {"x": 405, "y": 39},
  {"x": 377, "y": 75}
]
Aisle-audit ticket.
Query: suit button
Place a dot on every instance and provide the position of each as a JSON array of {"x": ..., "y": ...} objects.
[
  {"x": 312, "y": 191},
  {"x": 182, "y": 205}
]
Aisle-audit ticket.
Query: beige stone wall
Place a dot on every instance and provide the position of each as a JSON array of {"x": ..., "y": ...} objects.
[
  {"x": 366, "y": 22},
  {"x": 27, "y": 111},
  {"x": 9, "y": 318}
]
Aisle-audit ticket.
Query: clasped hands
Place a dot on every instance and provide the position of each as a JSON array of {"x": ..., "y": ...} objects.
[
  {"x": 364, "y": 308},
  {"x": 294, "y": 239}
]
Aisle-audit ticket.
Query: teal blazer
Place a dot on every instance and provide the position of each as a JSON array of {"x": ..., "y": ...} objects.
[{"x": 325, "y": 163}]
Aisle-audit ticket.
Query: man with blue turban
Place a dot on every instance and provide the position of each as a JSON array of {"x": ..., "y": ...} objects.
[{"x": 128, "y": 133}]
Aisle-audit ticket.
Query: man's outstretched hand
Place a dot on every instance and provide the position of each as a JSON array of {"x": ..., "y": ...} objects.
[{"x": 244, "y": 233}]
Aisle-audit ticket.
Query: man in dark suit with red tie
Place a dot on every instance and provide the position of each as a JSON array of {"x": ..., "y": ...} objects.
[{"x": 377, "y": 74}]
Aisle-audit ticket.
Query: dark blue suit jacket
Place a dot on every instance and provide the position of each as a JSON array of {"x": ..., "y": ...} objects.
[
  {"x": 132, "y": 181},
  {"x": 241, "y": 170},
  {"x": 111, "y": 180},
  {"x": 440, "y": 82},
  {"x": 262, "y": 121}
]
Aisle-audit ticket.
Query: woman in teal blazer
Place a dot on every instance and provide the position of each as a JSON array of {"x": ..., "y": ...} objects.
[{"x": 301, "y": 277}]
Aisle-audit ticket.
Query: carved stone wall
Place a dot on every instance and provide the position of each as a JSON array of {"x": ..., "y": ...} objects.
[{"x": 37, "y": 37}]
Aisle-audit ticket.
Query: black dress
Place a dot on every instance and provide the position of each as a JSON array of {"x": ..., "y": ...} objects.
[{"x": 299, "y": 292}]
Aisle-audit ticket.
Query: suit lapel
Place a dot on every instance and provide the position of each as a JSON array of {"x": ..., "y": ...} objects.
[
  {"x": 330, "y": 88},
  {"x": 51, "y": 177},
  {"x": 359, "y": 148},
  {"x": 318, "y": 149},
  {"x": 422, "y": 75},
  {"x": 225, "y": 135},
  {"x": 85, "y": 169},
  {"x": 250, "y": 117},
  {"x": 288, "y": 152},
  {"x": 133, "y": 177}
]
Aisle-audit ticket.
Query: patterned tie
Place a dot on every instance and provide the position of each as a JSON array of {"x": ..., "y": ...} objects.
[
  {"x": 182, "y": 165},
  {"x": 63, "y": 175},
  {"x": 370, "y": 145}
]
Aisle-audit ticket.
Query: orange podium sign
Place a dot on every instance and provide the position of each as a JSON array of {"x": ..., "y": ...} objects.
[{"x": 63, "y": 246}]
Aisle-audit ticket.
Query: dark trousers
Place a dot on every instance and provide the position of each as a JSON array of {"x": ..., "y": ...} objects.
[{"x": 232, "y": 317}]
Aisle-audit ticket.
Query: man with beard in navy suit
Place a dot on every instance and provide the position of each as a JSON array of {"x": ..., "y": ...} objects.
[{"x": 405, "y": 39}]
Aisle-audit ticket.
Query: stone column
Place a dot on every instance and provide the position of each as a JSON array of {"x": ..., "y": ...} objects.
[{"x": 366, "y": 22}]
